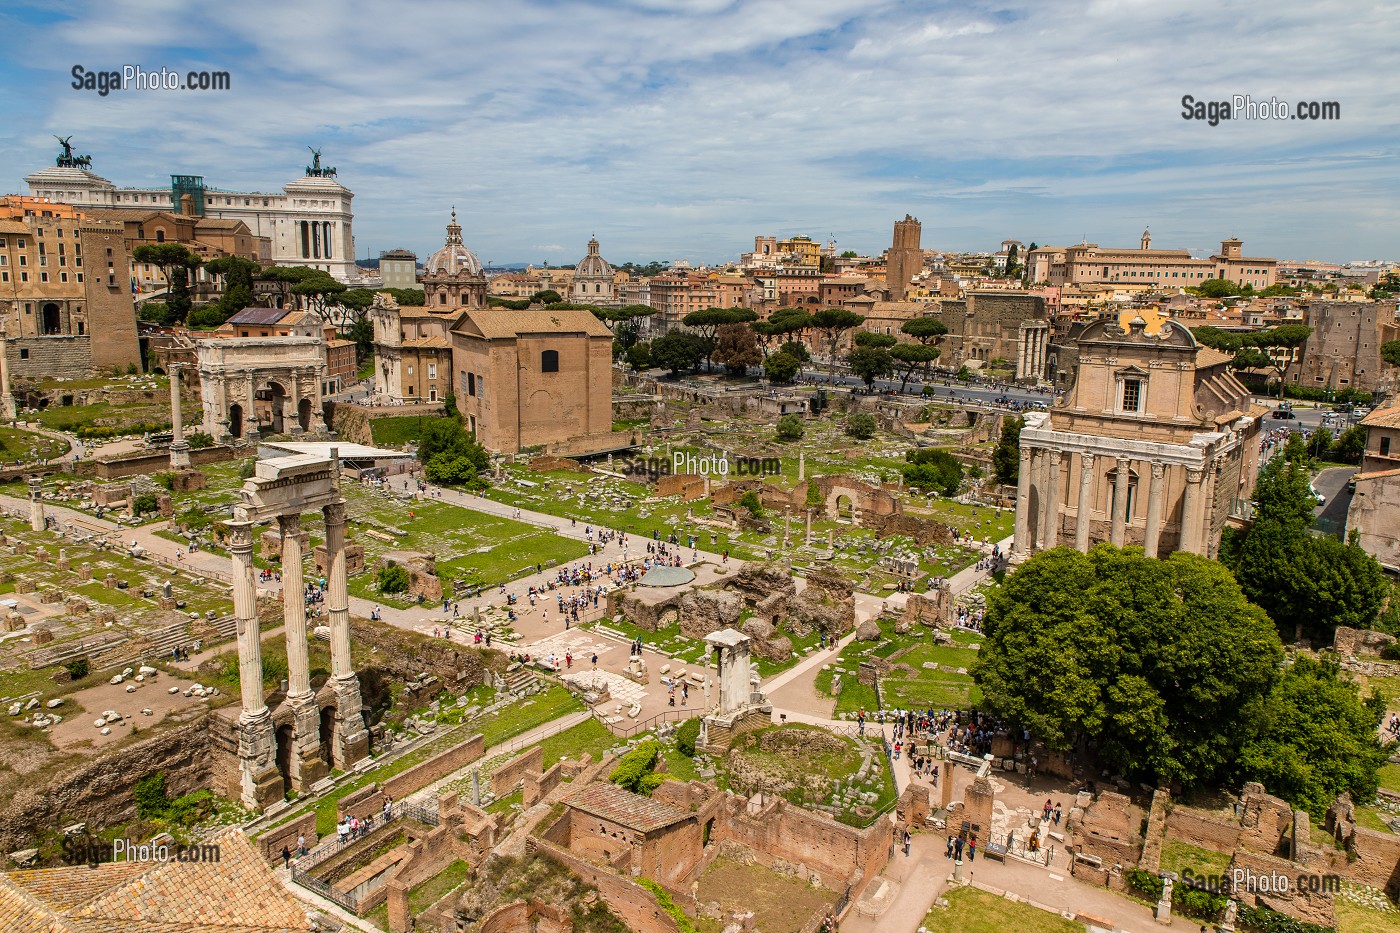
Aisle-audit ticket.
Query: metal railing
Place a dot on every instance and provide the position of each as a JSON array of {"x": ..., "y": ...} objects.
[
  {"x": 344, "y": 899},
  {"x": 651, "y": 722}
]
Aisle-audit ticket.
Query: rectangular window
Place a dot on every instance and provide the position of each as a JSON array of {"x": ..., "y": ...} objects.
[
  {"x": 432, "y": 370},
  {"x": 410, "y": 370},
  {"x": 1132, "y": 394},
  {"x": 1385, "y": 447},
  {"x": 471, "y": 383}
]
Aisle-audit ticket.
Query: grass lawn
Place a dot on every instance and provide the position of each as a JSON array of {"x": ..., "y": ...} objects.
[
  {"x": 18, "y": 444},
  {"x": 1178, "y": 856},
  {"x": 589, "y": 737},
  {"x": 1371, "y": 819},
  {"x": 425, "y": 895},
  {"x": 972, "y": 911},
  {"x": 916, "y": 687},
  {"x": 1390, "y": 777},
  {"x": 527, "y": 714},
  {"x": 396, "y": 432},
  {"x": 1353, "y": 918}
]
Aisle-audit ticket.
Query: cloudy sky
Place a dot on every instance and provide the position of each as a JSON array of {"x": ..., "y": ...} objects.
[{"x": 682, "y": 128}]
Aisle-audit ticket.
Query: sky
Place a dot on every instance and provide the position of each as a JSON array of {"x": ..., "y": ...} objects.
[{"x": 681, "y": 129}]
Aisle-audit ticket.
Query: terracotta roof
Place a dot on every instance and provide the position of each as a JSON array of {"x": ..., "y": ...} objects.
[
  {"x": 438, "y": 341},
  {"x": 1209, "y": 356},
  {"x": 259, "y": 316},
  {"x": 610, "y": 802},
  {"x": 1388, "y": 417},
  {"x": 497, "y": 323},
  {"x": 237, "y": 894},
  {"x": 1376, "y": 474}
]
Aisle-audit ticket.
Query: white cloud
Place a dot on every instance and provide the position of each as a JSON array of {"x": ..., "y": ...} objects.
[{"x": 675, "y": 129}]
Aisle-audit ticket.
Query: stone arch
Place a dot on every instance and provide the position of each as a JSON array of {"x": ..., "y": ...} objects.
[
  {"x": 865, "y": 499},
  {"x": 842, "y": 506},
  {"x": 277, "y": 406},
  {"x": 285, "y": 741},
  {"x": 235, "y": 420},
  {"x": 52, "y": 318},
  {"x": 304, "y": 414}
]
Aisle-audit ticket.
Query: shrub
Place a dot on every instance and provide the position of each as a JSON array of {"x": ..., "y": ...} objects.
[
  {"x": 1144, "y": 883},
  {"x": 77, "y": 668},
  {"x": 151, "y": 800},
  {"x": 814, "y": 493},
  {"x": 1391, "y": 652},
  {"x": 165, "y": 480},
  {"x": 200, "y": 440},
  {"x": 687, "y": 734},
  {"x": 790, "y": 427},
  {"x": 1264, "y": 920},
  {"x": 144, "y": 504},
  {"x": 750, "y": 501},
  {"x": 246, "y": 470},
  {"x": 861, "y": 426},
  {"x": 668, "y": 904},
  {"x": 1194, "y": 902},
  {"x": 392, "y": 579},
  {"x": 635, "y": 766}
]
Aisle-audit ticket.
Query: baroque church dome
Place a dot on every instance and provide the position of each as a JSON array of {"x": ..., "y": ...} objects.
[
  {"x": 593, "y": 266},
  {"x": 454, "y": 258}
]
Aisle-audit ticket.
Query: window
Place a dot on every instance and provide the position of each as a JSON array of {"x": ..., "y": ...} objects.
[
  {"x": 471, "y": 383},
  {"x": 410, "y": 370},
  {"x": 432, "y": 370},
  {"x": 549, "y": 361},
  {"x": 1385, "y": 447},
  {"x": 1132, "y": 394},
  {"x": 23, "y": 353}
]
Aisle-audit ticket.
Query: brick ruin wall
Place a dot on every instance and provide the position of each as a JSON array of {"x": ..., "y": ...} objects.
[{"x": 635, "y": 905}]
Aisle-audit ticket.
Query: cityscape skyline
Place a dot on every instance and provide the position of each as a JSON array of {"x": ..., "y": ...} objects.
[{"x": 544, "y": 123}]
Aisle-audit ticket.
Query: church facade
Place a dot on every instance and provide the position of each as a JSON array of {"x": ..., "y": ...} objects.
[{"x": 1153, "y": 443}]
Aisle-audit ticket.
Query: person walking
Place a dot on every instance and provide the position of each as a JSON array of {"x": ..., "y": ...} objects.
[
  {"x": 908, "y": 839},
  {"x": 286, "y": 857}
]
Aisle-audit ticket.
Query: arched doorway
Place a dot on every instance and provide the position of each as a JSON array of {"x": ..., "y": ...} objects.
[
  {"x": 284, "y": 753},
  {"x": 235, "y": 419},
  {"x": 327, "y": 733},
  {"x": 277, "y": 397},
  {"x": 52, "y": 318},
  {"x": 844, "y": 510},
  {"x": 304, "y": 414}
]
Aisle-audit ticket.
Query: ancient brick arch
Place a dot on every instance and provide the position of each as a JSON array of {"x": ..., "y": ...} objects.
[{"x": 867, "y": 499}]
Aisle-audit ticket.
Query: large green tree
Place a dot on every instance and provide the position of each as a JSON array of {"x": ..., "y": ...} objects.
[
  {"x": 911, "y": 358},
  {"x": 1390, "y": 352},
  {"x": 450, "y": 455},
  {"x": 870, "y": 363},
  {"x": 781, "y": 367},
  {"x": 176, "y": 263},
  {"x": 707, "y": 322},
  {"x": 1163, "y": 663},
  {"x": 736, "y": 348},
  {"x": 678, "y": 350},
  {"x": 924, "y": 329},
  {"x": 1006, "y": 458},
  {"x": 1308, "y": 584},
  {"x": 1317, "y": 738},
  {"x": 833, "y": 322}
]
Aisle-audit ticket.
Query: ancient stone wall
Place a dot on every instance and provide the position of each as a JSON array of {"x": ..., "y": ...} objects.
[
  {"x": 634, "y": 905},
  {"x": 53, "y": 357},
  {"x": 270, "y": 843},
  {"x": 439, "y": 766},
  {"x": 362, "y": 803},
  {"x": 1353, "y": 642},
  {"x": 144, "y": 464},
  {"x": 539, "y": 786},
  {"x": 924, "y": 531},
  {"x": 686, "y": 485},
  {"x": 99, "y": 792},
  {"x": 406, "y": 655},
  {"x": 1299, "y": 900},
  {"x": 1202, "y": 829},
  {"x": 511, "y": 773},
  {"x": 840, "y": 854},
  {"x": 1377, "y": 860},
  {"x": 520, "y": 916}
]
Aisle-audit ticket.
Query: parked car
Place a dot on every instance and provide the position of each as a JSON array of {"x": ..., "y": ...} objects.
[
  {"x": 1321, "y": 499},
  {"x": 1284, "y": 414}
]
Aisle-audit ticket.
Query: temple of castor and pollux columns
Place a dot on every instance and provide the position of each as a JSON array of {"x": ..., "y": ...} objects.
[{"x": 310, "y": 731}]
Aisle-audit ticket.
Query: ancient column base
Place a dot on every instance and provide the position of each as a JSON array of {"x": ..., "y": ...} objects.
[
  {"x": 352, "y": 738},
  {"x": 306, "y": 767},
  {"x": 261, "y": 782}
]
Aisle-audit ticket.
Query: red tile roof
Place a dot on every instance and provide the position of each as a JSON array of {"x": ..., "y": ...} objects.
[{"x": 610, "y": 802}]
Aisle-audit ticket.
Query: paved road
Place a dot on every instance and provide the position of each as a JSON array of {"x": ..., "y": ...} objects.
[{"x": 1332, "y": 514}]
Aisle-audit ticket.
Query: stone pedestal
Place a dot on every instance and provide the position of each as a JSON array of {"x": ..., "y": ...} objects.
[
  {"x": 37, "y": 520},
  {"x": 978, "y": 800}
]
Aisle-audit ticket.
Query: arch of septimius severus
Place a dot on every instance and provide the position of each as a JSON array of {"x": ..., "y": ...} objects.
[{"x": 292, "y": 743}]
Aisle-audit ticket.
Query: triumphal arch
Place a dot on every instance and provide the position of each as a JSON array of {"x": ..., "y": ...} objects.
[
  {"x": 291, "y": 745},
  {"x": 253, "y": 384}
]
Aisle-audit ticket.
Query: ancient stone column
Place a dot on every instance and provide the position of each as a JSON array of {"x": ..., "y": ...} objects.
[
  {"x": 787, "y": 525},
  {"x": 305, "y": 765},
  {"x": 809, "y": 528},
  {"x": 1191, "y": 519},
  {"x": 1050, "y": 521},
  {"x": 294, "y": 400},
  {"x": 1120, "y": 503},
  {"x": 1021, "y": 544},
  {"x": 257, "y": 746},
  {"x": 801, "y": 466},
  {"x": 1086, "y": 497},
  {"x": 36, "y": 504},
  {"x": 352, "y": 739},
  {"x": 179, "y": 450},
  {"x": 7, "y": 400},
  {"x": 1154, "y": 511}
]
